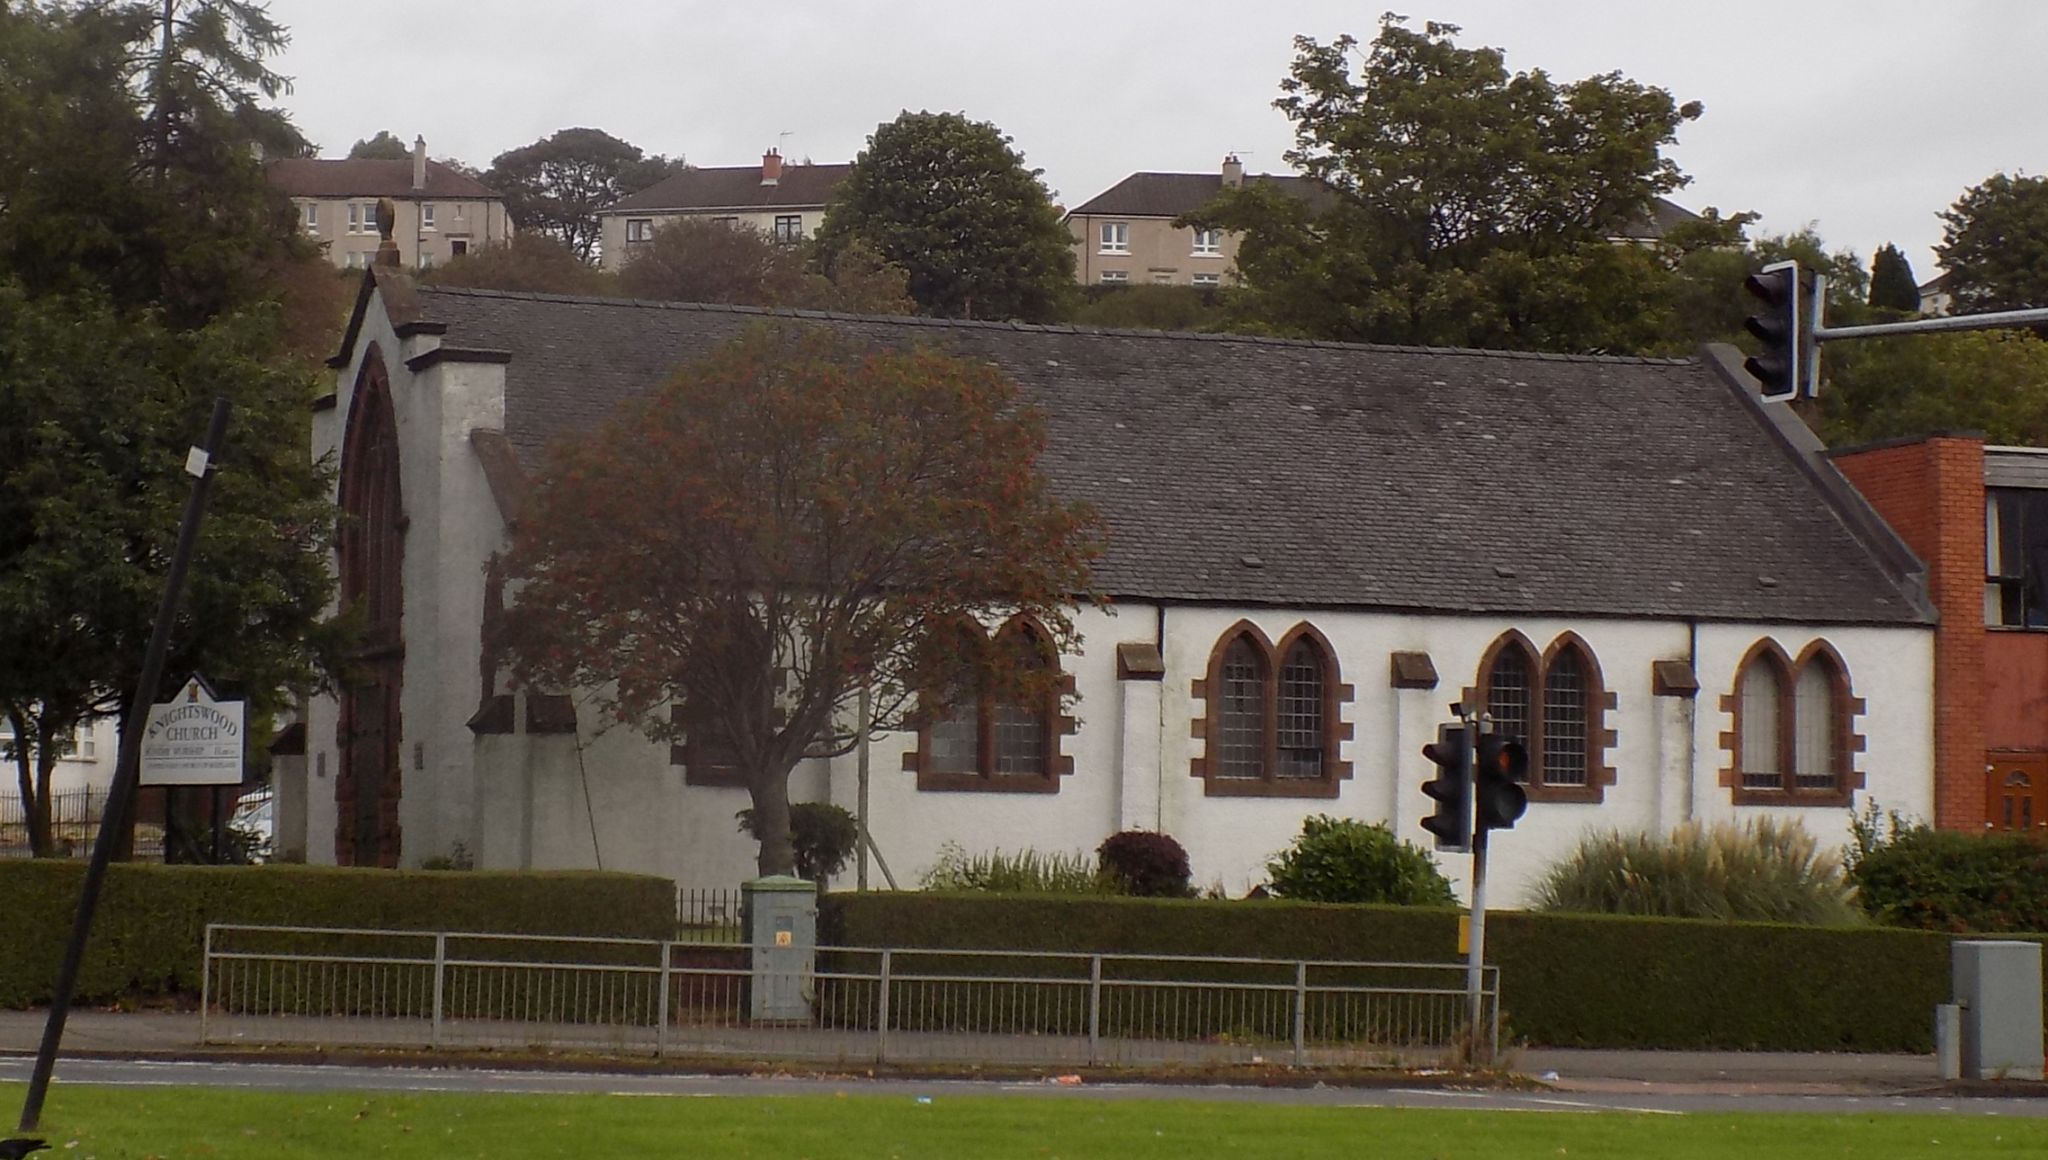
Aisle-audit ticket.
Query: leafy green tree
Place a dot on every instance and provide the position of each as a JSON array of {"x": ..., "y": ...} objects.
[
  {"x": 97, "y": 410},
  {"x": 1994, "y": 381},
  {"x": 385, "y": 146},
  {"x": 1994, "y": 245},
  {"x": 1463, "y": 205},
  {"x": 787, "y": 521},
  {"x": 950, "y": 201},
  {"x": 1153, "y": 308},
  {"x": 1892, "y": 285},
  {"x": 557, "y": 184},
  {"x": 531, "y": 262},
  {"x": 132, "y": 133},
  {"x": 704, "y": 261}
]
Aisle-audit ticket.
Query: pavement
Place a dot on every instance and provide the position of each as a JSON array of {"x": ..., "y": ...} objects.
[{"x": 173, "y": 1035}]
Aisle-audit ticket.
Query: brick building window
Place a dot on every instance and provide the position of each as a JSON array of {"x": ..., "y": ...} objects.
[
  {"x": 1793, "y": 738},
  {"x": 2016, "y": 557},
  {"x": 1271, "y": 716},
  {"x": 979, "y": 737},
  {"x": 1557, "y": 705}
]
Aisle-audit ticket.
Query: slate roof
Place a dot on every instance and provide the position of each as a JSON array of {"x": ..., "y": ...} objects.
[
  {"x": 370, "y": 177},
  {"x": 736, "y": 187},
  {"x": 1240, "y": 470},
  {"x": 1169, "y": 195}
]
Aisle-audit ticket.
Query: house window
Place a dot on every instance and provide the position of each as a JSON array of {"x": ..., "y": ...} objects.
[
  {"x": 1116, "y": 237},
  {"x": 458, "y": 247},
  {"x": 1208, "y": 281},
  {"x": 1115, "y": 277},
  {"x": 789, "y": 228},
  {"x": 309, "y": 216},
  {"x": 1793, "y": 739},
  {"x": 362, "y": 217},
  {"x": 1162, "y": 278},
  {"x": 725, "y": 221},
  {"x": 2016, "y": 557},
  {"x": 426, "y": 260},
  {"x": 983, "y": 735},
  {"x": 706, "y": 751},
  {"x": 1556, "y": 705},
  {"x": 426, "y": 215},
  {"x": 1208, "y": 244},
  {"x": 1271, "y": 725},
  {"x": 639, "y": 230}
]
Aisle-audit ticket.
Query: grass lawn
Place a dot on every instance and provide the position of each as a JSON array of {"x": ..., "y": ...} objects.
[{"x": 87, "y": 1123}]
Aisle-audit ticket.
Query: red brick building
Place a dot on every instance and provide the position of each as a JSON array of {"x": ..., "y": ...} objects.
[{"x": 1978, "y": 517}]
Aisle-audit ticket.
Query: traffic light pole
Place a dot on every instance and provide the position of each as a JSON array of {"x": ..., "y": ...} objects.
[{"x": 1475, "y": 956}]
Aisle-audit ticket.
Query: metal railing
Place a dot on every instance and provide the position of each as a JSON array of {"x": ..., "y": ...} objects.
[
  {"x": 708, "y": 914},
  {"x": 462, "y": 990},
  {"x": 74, "y": 825}
]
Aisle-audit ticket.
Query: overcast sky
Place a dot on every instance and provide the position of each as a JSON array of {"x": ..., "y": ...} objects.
[{"x": 1865, "y": 117}]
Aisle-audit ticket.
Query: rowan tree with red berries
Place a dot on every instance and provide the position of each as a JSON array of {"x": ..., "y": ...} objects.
[{"x": 792, "y": 520}]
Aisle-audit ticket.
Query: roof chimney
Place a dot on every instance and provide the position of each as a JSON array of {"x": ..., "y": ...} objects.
[
  {"x": 419, "y": 164},
  {"x": 1233, "y": 171},
  {"x": 771, "y": 167}
]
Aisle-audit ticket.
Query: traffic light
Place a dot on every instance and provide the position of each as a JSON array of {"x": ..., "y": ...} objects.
[
  {"x": 1786, "y": 314},
  {"x": 1451, "y": 789},
  {"x": 1500, "y": 768}
]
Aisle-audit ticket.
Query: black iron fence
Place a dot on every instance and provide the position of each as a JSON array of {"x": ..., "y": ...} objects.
[{"x": 74, "y": 823}]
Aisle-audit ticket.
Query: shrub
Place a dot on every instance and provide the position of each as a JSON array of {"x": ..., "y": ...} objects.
[
  {"x": 1344, "y": 860},
  {"x": 1763, "y": 871},
  {"x": 825, "y": 837},
  {"x": 1910, "y": 874},
  {"x": 1145, "y": 864},
  {"x": 152, "y": 919},
  {"x": 1025, "y": 872},
  {"x": 1579, "y": 980}
]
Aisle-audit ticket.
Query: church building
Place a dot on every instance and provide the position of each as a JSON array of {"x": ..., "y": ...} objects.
[{"x": 1313, "y": 551}]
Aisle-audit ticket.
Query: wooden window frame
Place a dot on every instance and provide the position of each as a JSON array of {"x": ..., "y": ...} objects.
[
  {"x": 985, "y": 779},
  {"x": 1847, "y": 741},
  {"x": 1336, "y": 731},
  {"x": 1599, "y": 701}
]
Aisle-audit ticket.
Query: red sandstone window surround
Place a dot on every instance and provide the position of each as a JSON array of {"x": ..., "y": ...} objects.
[
  {"x": 1557, "y": 704},
  {"x": 1793, "y": 740},
  {"x": 1271, "y": 714},
  {"x": 978, "y": 739}
]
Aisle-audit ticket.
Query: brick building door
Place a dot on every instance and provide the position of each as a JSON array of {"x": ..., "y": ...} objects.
[{"x": 2017, "y": 793}]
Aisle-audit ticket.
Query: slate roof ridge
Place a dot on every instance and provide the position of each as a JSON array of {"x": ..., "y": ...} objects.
[{"x": 427, "y": 292}]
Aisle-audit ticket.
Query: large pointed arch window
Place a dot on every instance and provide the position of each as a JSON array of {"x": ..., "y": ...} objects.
[
  {"x": 1793, "y": 739},
  {"x": 1270, "y": 721},
  {"x": 983, "y": 734},
  {"x": 1555, "y": 703}
]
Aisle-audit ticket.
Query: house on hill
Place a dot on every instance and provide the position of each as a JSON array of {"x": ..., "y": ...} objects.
[
  {"x": 1314, "y": 549},
  {"x": 785, "y": 202},
  {"x": 441, "y": 214},
  {"x": 1125, "y": 235}
]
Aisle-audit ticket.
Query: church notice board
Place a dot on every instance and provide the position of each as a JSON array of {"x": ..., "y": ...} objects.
[{"x": 194, "y": 739}]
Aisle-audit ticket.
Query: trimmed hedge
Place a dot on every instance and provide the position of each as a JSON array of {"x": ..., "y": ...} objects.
[
  {"x": 150, "y": 930},
  {"x": 1566, "y": 980}
]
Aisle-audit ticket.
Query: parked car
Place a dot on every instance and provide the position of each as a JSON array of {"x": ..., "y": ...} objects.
[{"x": 254, "y": 824}]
